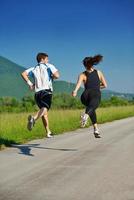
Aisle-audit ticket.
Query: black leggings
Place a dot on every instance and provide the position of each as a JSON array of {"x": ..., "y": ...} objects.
[{"x": 91, "y": 99}]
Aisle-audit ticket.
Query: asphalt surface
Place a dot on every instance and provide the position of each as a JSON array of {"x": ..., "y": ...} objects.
[{"x": 72, "y": 166}]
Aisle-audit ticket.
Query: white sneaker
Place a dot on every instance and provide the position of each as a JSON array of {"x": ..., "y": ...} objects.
[
  {"x": 97, "y": 133},
  {"x": 84, "y": 119},
  {"x": 49, "y": 135}
]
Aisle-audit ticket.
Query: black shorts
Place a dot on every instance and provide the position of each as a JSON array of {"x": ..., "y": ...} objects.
[{"x": 43, "y": 99}]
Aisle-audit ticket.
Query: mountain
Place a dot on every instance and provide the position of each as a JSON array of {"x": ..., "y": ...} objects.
[
  {"x": 11, "y": 83},
  {"x": 65, "y": 87},
  {"x": 62, "y": 86},
  {"x": 107, "y": 94}
]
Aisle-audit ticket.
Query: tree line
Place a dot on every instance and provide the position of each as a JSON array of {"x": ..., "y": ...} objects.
[{"x": 60, "y": 101}]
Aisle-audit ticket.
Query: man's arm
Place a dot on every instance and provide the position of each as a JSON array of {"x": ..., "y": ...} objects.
[
  {"x": 56, "y": 75},
  {"x": 26, "y": 78},
  {"x": 54, "y": 71}
]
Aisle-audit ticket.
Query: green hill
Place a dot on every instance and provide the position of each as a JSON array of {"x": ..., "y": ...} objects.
[
  {"x": 11, "y": 83},
  {"x": 65, "y": 87}
]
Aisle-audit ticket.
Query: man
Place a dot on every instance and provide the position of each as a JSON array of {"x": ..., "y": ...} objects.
[{"x": 43, "y": 74}]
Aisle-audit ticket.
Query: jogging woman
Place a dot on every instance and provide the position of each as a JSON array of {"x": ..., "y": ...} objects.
[{"x": 93, "y": 80}]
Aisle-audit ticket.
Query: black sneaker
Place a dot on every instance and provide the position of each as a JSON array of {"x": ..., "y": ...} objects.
[{"x": 30, "y": 123}]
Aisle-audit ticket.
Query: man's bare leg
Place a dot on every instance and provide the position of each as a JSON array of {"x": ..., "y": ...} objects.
[
  {"x": 45, "y": 121},
  {"x": 32, "y": 119},
  {"x": 46, "y": 124},
  {"x": 40, "y": 113}
]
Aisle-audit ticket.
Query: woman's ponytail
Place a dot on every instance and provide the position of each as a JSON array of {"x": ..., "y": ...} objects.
[{"x": 88, "y": 62}]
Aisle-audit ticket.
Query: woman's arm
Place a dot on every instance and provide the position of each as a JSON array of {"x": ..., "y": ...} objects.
[
  {"x": 102, "y": 80},
  {"x": 79, "y": 82}
]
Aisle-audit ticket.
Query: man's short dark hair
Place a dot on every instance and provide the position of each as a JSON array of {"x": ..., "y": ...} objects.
[{"x": 40, "y": 56}]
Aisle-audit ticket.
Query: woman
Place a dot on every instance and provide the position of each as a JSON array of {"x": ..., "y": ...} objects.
[{"x": 93, "y": 80}]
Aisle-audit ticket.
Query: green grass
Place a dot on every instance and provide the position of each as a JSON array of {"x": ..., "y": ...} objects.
[{"x": 13, "y": 125}]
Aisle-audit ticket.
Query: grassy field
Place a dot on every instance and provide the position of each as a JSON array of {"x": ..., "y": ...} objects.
[{"x": 13, "y": 126}]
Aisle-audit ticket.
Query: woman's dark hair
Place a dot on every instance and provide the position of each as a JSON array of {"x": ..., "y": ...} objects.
[
  {"x": 88, "y": 62},
  {"x": 40, "y": 56}
]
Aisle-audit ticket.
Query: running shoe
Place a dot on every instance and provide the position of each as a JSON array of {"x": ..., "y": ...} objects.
[
  {"x": 30, "y": 123},
  {"x": 96, "y": 133},
  {"x": 49, "y": 135},
  {"x": 84, "y": 119}
]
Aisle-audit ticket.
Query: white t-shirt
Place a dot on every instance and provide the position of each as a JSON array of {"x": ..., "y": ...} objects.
[{"x": 42, "y": 75}]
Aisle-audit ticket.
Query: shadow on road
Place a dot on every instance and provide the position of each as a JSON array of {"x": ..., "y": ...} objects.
[{"x": 26, "y": 149}]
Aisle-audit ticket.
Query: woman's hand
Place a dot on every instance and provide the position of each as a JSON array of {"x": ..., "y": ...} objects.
[
  {"x": 79, "y": 82},
  {"x": 74, "y": 93},
  {"x": 103, "y": 83}
]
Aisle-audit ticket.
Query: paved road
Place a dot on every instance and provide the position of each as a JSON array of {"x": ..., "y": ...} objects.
[{"x": 72, "y": 166}]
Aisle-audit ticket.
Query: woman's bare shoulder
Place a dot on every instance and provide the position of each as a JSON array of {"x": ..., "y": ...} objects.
[
  {"x": 99, "y": 72},
  {"x": 82, "y": 74}
]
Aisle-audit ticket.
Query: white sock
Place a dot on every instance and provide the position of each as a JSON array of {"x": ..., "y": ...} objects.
[{"x": 49, "y": 133}]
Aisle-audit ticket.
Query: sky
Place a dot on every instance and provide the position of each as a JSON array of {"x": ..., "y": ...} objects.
[{"x": 69, "y": 30}]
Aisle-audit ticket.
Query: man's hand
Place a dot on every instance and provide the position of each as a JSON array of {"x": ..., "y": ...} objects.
[
  {"x": 32, "y": 87},
  {"x": 25, "y": 77}
]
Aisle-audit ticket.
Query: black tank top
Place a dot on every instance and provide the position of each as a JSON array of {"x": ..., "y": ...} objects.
[{"x": 93, "y": 81}]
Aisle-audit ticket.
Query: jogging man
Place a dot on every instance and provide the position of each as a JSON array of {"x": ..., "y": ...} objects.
[{"x": 43, "y": 74}]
